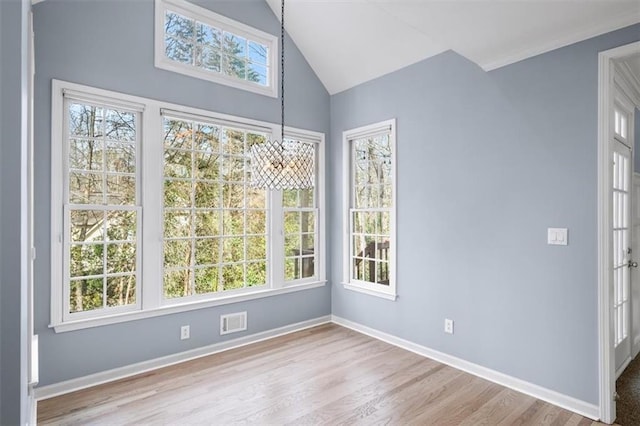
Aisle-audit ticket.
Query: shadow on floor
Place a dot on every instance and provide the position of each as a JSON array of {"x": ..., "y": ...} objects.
[{"x": 628, "y": 388}]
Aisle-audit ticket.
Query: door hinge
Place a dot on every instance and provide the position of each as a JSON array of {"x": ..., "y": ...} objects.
[
  {"x": 616, "y": 397},
  {"x": 33, "y": 253}
]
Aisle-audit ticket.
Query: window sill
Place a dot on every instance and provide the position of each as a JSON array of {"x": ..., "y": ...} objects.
[
  {"x": 370, "y": 291},
  {"x": 183, "y": 307}
]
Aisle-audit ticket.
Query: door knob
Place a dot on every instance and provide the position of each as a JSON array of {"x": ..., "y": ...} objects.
[{"x": 633, "y": 264}]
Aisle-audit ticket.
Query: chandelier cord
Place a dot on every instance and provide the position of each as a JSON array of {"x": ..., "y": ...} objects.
[{"x": 282, "y": 73}]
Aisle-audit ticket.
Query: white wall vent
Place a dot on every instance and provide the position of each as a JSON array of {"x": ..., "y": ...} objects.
[{"x": 232, "y": 323}]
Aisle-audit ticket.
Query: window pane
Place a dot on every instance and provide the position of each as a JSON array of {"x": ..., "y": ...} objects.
[
  {"x": 256, "y": 248},
  {"x": 233, "y": 195},
  {"x": 178, "y": 25},
  {"x": 258, "y": 53},
  {"x": 86, "y": 260},
  {"x": 177, "y": 283},
  {"x": 307, "y": 266},
  {"x": 290, "y": 198},
  {"x": 177, "y": 193},
  {"x": 85, "y": 188},
  {"x": 292, "y": 268},
  {"x": 121, "y": 190},
  {"x": 292, "y": 245},
  {"x": 85, "y": 120},
  {"x": 235, "y": 45},
  {"x": 209, "y": 35},
  {"x": 307, "y": 197},
  {"x": 121, "y": 157},
  {"x": 257, "y": 73},
  {"x": 234, "y": 66},
  {"x": 233, "y": 222},
  {"x": 233, "y": 142},
  {"x": 207, "y": 223},
  {"x": 85, "y": 154},
  {"x": 232, "y": 277},
  {"x": 121, "y": 290},
  {"x": 207, "y": 138},
  {"x": 177, "y": 253},
  {"x": 291, "y": 222},
  {"x": 87, "y": 225},
  {"x": 256, "y": 273},
  {"x": 120, "y": 125},
  {"x": 256, "y": 221},
  {"x": 177, "y": 134},
  {"x": 206, "y": 280},
  {"x": 207, "y": 194},
  {"x": 177, "y": 164},
  {"x": 121, "y": 258},
  {"x": 233, "y": 169},
  {"x": 207, "y": 165},
  {"x": 121, "y": 225},
  {"x": 85, "y": 295},
  {"x": 208, "y": 251},
  {"x": 308, "y": 243},
  {"x": 208, "y": 58},
  {"x": 232, "y": 249},
  {"x": 177, "y": 223},
  {"x": 179, "y": 50}
]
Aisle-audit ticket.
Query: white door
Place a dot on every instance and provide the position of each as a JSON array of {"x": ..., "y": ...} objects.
[
  {"x": 621, "y": 255},
  {"x": 635, "y": 283}
]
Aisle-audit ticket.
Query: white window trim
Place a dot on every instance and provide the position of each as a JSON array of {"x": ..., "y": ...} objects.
[
  {"x": 386, "y": 292},
  {"x": 211, "y": 18},
  {"x": 150, "y": 297}
]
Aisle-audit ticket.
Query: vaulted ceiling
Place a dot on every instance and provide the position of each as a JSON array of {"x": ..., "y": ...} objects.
[{"x": 348, "y": 42}]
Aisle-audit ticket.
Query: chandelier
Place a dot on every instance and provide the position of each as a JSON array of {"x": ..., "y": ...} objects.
[{"x": 284, "y": 164}]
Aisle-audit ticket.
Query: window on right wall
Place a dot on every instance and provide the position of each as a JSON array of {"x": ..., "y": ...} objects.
[{"x": 369, "y": 173}]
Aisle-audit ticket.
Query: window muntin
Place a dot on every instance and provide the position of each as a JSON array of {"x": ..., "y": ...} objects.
[
  {"x": 139, "y": 155},
  {"x": 198, "y": 42},
  {"x": 215, "y": 224},
  {"x": 370, "y": 220},
  {"x": 101, "y": 232}
]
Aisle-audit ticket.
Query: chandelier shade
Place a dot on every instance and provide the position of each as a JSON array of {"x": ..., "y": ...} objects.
[{"x": 283, "y": 164}]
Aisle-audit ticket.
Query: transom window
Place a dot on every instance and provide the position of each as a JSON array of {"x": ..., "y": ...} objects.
[
  {"x": 198, "y": 42},
  {"x": 206, "y": 236},
  {"x": 370, "y": 219}
]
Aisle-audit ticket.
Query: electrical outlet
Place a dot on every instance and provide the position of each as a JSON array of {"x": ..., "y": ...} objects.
[
  {"x": 448, "y": 326},
  {"x": 184, "y": 332}
]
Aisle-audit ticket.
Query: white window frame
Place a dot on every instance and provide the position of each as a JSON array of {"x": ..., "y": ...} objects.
[
  {"x": 384, "y": 291},
  {"x": 213, "y": 19},
  {"x": 150, "y": 298}
]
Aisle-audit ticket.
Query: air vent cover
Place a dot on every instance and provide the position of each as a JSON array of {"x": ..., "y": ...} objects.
[{"x": 232, "y": 323}]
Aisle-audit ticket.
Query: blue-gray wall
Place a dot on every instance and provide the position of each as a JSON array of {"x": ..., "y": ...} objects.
[
  {"x": 636, "y": 138},
  {"x": 109, "y": 44},
  {"x": 13, "y": 315},
  {"x": 486, "y": 163}
]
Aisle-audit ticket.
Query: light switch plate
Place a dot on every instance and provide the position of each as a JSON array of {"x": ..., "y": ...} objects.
[{"x": 558, "y": 236}]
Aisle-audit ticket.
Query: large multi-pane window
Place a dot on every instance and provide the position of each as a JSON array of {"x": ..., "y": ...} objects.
[
  {"x": 198, "y": 42},
  {"x": 215, "y": 223},
  {"x": 206, "y": 237},
  {"x": 370, "y": 219},
  {"x": 101, "y": 216}
]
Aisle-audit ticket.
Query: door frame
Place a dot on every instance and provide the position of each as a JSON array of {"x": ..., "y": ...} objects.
[{"x": 607, "y": 377}]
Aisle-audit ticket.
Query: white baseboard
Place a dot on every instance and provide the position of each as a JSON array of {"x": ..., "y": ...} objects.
[
  {"x": 569, "y": 403},
  {"x": 72, "y": 385}
]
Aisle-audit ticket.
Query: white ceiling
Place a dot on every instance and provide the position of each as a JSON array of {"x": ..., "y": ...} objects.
[{"x": 348, "y": 42}]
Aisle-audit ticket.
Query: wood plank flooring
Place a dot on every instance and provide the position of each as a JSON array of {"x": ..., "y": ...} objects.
[{"x": 324, "y": 375}]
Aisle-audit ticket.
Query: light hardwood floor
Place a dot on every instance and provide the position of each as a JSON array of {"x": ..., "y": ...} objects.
[{"x": 323, "y": 375}]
